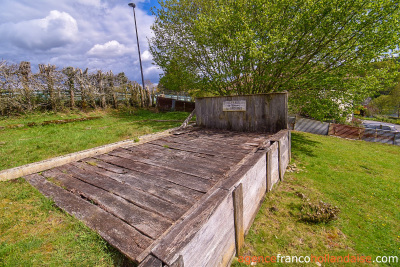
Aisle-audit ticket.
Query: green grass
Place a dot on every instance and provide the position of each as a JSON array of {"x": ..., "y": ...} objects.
[
  {"x": 33, "y": 232},
  {"x": 24, "y": 145},
  {"x": 362, "y": 179}
]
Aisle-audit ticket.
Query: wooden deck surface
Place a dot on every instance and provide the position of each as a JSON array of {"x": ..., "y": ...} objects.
[{"x": 134, "y": 195}]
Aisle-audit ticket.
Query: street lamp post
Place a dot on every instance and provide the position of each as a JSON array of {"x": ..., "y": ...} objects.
[{"x": 137, "y": 39}]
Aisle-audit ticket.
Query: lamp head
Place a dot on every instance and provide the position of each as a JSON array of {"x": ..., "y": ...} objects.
[{"x": 132, "y": 5}]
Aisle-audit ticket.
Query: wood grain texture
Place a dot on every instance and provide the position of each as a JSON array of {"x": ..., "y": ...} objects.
[
  {"x": 147, "y": 222},
  {"x": 264, "y": 113},
  {"x": 254, "y": 188},
  {"x": 274, "y": 164},
  {"x": 175, "y": 194},
  {"x": 120, "y": 235},
  {"x": 178, "y": 238},
  {"x": 131, "y": 194},
  {"x": 214, "y": 241},
  {"x": 183, "y": 179},
  {"x": 175, "y": 160},
  {"x": 237, "y": 195}
]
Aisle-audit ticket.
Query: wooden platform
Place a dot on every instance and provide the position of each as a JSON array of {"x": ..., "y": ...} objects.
[{"x": 135, "y": 196}]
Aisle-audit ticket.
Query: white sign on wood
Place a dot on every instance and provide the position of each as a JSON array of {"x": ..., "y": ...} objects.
[{"x": 239, "y": 105}]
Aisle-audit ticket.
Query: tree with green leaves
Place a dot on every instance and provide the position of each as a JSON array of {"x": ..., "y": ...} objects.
[
  {"x": 395, "y": 99},
  {"x": 319, "y": 51}
]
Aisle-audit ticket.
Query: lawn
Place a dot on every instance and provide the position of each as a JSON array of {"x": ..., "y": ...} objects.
[
  {"x": 33, "y": 232},
  {"x": 362, "y": 179},
  {"x": 26, "y": 144}
]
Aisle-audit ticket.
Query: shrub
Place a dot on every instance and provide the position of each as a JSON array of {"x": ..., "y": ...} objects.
[{"x": 320, "y": 212}]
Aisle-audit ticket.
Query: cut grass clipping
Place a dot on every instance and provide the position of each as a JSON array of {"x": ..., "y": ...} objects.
[{"x": 361, "y": 179}]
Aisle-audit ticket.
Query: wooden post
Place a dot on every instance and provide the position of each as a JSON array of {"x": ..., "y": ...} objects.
[
  {"x": 280, "y": 167},
  {"x": 290, "y": 145},
  {"x": 268, "y": 162},
  {"x": 238, "y": 217}
]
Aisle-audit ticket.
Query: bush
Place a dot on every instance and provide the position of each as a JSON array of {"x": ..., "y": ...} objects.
[{"x": 320, "y": 212}]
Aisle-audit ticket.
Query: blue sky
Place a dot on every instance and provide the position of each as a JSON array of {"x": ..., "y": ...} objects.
[{"x": 94, "y": 34}]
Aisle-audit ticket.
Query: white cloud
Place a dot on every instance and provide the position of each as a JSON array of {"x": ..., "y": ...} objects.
[
  {"x": 46, "y": 31},
  {"x": 55, "y": 30},
  {"x": 146, "y": 56},
  {"x": 110, "y": 49}
]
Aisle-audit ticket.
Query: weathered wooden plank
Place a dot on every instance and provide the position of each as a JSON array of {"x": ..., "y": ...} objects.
[
  {"x": 189, "y": 181},
  {"x": 210, "y": 150},
  {"x": 234, "y": 178},
  {"x": 283, "y": 155},
  {"x": 267, "y": 112},
  {"x": 133, "y": 195},
  {"x": 238, "y": 142},
  {"x": 164, "y": 153},
  {"x": 189, "y": 194},
  {"x": 167, "y": 249},
  {"x": 273, "y": 162},
  {"x": 189, "y": 165},
  {"x": 254, "y": 188},
  {"x": 149, "y": 185},
  {"x": 120, "y": 235},
  {"x": 283, "y": 151},
  {"x": 151, "y": 261},
  {"x": 237, "y": 195},
  {"x": 146, "y": 222},
  {"x": 105, "y": 165},
  {"x": 214, "y": 242}
]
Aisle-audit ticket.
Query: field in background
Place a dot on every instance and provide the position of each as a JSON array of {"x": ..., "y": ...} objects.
[
  {"x": 361, "y": 178},
  {"x": 19, "y": 146}
]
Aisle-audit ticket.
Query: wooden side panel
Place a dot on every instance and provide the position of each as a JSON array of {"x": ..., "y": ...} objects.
[
  {"x": 254, "y": 188},
  {"x": 264, "y": 112},
  {"x": 171, "y": 246},
  {"x": 214, "y": 243},
  {"x": 273, "y": 162},
  {"x": 283, "y": 153}
]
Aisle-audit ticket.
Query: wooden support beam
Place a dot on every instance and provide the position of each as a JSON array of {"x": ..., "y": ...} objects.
[{"x": 238, "y": 217}]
